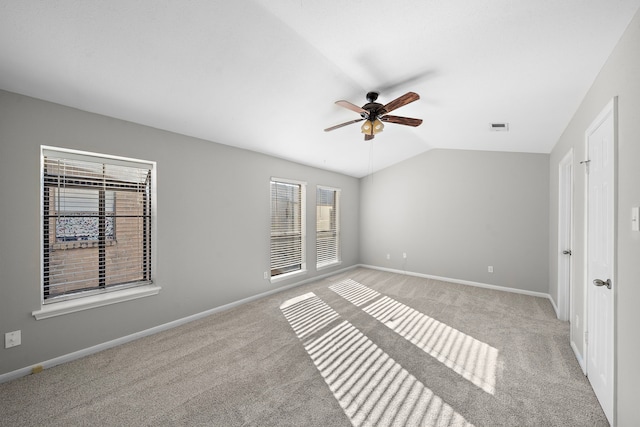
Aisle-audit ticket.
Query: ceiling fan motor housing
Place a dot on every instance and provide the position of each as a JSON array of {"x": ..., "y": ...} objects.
[{"x": 375, "y": 110}]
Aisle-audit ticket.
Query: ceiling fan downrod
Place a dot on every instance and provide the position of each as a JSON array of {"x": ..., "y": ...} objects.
[{"x": 372, "y": 96}]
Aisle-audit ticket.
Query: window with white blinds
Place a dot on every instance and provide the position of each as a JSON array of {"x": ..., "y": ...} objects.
[
  {"x": 96, "y": 223},
  {"x": 327, "y": 226},
  {"x": 287, "y": 227}
]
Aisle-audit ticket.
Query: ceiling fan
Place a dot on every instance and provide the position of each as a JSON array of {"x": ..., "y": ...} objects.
[{"x": 374, "y": 113}]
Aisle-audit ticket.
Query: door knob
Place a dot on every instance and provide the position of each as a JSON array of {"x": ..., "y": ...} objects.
[
  {"x": 567, "y": 252},
  {"x": 599, "y": 282}
]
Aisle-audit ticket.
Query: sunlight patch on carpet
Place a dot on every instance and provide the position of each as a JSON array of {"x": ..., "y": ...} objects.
[
  {"x": 307, "y": 314},
  {"x": 474, "y": 360},
  {"x": 372, "y": 389},
  {"x": 354, "y": 292}
]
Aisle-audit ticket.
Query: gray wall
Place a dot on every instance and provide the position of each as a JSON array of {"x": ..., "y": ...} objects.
[
  {"x": 213, "y": 225},
  {"x": 619, "y": 77},
  {"x": 456, "y": 212}
]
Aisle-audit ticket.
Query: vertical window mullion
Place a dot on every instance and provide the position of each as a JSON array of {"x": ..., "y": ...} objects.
[
  {"x": 146, "y": 225},
  {"x": 102, "y": 239},
  {"x": 46, "y": 246}
]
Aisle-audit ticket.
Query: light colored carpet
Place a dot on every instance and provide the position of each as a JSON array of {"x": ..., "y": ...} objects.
[{"x": 367, "y": 348}]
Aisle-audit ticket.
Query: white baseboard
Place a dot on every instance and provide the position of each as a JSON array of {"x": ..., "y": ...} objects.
[
  {"x": 555, "y": 307},
  {"x": 579, "y": 357},
  {"x": 462, "y": 282},
  {"x": 9, "y": 376}
]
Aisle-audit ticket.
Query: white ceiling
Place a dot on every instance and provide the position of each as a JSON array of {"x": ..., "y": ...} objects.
[{"x": 264, "y": 74}]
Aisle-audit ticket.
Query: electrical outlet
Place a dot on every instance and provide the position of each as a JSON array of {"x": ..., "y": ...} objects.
[
  {"x": 265, "y": 275},
  {"x": 404, "y": 255},
  {"x": 388, "y": 256},
  {"x": 490, "y": 269},
  {"x": 12, "y": 339}
]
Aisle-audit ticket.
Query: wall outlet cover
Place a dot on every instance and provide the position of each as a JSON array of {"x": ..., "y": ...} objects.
[{"x": 12, "y": 339}]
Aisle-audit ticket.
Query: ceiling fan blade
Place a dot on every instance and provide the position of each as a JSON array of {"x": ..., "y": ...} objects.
[
  {"x": 409, "y": 80},
  {"x": 401, "y": 101},
  {"x": 402, "y": 120},
  {"x": 352, "y": 107},
  {"x": 343, "y": 124},
  {"x": 369, "y": 60},
  {"x": 368, "y": 137}
]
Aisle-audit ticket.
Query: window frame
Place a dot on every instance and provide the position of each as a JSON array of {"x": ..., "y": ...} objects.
[
  {"x": 338, "y": 259},
  {"x": 83, "y": 300},
  {"x": 303, "y": 229}
]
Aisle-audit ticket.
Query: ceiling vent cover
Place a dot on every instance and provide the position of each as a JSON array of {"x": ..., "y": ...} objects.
[{"x": 499, "y": 127}]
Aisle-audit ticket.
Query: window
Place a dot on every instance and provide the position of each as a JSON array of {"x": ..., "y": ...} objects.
[
  {"x": 287, "y": 227},
  {"x": 327, "y": 226},
  {"x": 96, "y": 223}
]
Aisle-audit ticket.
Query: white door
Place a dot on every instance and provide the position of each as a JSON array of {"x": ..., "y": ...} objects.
[
  {"x": 565, "y": 227},
  {"x": 600, "y": 139}
]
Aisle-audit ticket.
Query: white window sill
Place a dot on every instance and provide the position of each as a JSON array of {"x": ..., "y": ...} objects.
[
  {"x": 86, "y": 303},
  {"x": 286, "y": 276},
  {"x": 328, "y": 265}
]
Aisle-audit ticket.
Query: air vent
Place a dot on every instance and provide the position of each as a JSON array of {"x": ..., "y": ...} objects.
[{"x": 499, "y": 127}]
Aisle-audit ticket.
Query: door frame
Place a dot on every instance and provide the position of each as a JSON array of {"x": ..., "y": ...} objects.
[
  {"x": 565, "y": 229},
  {"x": 610, "y": 109}
]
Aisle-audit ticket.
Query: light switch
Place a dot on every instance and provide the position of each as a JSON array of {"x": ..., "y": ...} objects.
[{"x": 635, "y": 218}]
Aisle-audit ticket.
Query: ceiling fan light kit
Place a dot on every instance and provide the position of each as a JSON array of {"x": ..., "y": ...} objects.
[
  {"x": 372, "y": 127},
  {"x": 374, "y": 113}
]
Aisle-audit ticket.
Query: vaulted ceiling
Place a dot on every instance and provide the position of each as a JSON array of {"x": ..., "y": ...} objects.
[{"x": 264, "y": 74}]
